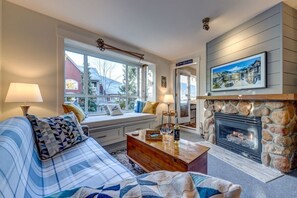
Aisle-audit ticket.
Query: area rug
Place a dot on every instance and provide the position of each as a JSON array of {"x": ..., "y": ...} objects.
[{"x": 120, "y": 155}]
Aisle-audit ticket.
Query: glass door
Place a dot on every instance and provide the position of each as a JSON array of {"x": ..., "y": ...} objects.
[{"x": 183, "y": 96}]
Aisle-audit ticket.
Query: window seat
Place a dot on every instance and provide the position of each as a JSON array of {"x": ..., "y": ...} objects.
[
  {"x": 107, "y": 129},
  {"x": 107, "y": 120}
]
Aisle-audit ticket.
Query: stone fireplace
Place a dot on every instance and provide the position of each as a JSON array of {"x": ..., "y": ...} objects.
[{"x": 278, "y": 132}]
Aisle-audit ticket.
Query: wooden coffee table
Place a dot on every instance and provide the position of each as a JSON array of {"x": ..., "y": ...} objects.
[{"x": 160, "y": 155}]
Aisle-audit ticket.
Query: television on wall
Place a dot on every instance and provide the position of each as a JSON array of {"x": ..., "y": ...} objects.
[{"x": 246, "y": 73}]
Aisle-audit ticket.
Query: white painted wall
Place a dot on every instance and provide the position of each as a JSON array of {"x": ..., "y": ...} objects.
[
  {"x": 33, "y": 53},
  {"x": 0, "y": 57}
]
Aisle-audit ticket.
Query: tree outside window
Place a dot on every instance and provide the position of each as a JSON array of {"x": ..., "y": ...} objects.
[{"x": 106, "y": 82}]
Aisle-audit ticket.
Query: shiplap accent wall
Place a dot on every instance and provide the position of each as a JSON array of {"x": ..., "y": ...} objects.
[
  {"x": 289, "y": 49},
  {"x": 264, "y": 32}
]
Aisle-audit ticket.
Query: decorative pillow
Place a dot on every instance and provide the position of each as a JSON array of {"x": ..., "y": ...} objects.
[
  {"x": 135, "y": 106},
  {"x": 139, "y": 106},
  {"x": 79, "y": 107},
  {"x": 55, "y": 134},
  {"x": 106, "y": 109},
  {"x": 75, "y": 109},
  {"x": 150, "y": 107},
  {"x": 114, "y": 109}
]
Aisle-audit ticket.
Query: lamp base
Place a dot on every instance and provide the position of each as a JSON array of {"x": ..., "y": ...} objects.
[
  {"x": 25, "y": 109},
  {"x": 168, "y": 105}
]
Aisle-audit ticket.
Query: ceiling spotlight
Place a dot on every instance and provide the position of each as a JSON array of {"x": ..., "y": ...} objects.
[{"x": 205, "y": 22}]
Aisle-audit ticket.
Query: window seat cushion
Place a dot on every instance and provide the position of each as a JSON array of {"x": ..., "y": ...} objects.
[{"x": 106, "y": 120}]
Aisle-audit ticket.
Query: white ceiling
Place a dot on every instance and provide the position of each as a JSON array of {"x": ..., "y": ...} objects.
[{"x": 168, "y": 28}]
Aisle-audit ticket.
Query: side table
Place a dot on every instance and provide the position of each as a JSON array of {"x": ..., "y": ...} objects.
[{"x": 168, "y": 115}]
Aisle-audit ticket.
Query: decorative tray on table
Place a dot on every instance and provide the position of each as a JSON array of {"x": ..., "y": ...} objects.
[{"x": 153, "y": 135}]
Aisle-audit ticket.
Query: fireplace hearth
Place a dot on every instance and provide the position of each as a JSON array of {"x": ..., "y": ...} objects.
[{"x": 240, "y": 134}]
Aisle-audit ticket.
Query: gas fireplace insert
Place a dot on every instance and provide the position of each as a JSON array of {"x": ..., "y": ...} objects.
[{"x": 240, "y": 134}]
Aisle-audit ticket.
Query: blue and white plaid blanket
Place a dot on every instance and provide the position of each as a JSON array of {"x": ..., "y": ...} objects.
[
  {"x": 160, "y": 184},
  {"x": 23, "y": 174}
]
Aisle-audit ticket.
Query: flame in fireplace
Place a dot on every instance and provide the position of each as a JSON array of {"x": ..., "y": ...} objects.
[
  {"x": 251, "y": 136},
  {"x": 242, "y": 139}
]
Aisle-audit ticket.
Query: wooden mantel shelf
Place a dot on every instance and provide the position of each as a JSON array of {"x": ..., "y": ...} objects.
[{"x": 252, "y": 97}]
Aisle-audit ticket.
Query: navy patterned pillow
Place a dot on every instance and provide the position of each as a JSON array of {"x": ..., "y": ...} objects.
[{"x": 55, "y": 134}]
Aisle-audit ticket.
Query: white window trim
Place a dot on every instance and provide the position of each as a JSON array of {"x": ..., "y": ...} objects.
[{"x": 87, "y": 53}]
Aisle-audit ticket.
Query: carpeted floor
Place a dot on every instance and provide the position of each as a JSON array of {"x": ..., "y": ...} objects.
[{"x": 120, "y": 155}]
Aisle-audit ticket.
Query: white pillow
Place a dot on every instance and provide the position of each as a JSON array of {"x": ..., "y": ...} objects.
[
  {"x": 106, "y": 109},
  {"x": 114, "y": 109}
]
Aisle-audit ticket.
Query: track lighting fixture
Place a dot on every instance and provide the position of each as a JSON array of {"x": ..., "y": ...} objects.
[{"x": 205, "y": 22}]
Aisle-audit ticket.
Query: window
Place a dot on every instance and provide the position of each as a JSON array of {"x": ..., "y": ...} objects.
[
  {"x": 150, "y": 86},
  {"x": 193, "y": 89},
  {"x": 71, "y": 84},
  {"x": 94, "y": 81},
  {"x": 73, "y": 75}
]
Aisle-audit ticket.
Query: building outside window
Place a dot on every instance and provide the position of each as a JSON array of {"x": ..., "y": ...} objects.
[
  {"x": 71, "y": 84},
  {"x": 95, "y": 81}
]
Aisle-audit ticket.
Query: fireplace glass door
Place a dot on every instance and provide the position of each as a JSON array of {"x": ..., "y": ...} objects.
[{"x": 239, "y": 134}]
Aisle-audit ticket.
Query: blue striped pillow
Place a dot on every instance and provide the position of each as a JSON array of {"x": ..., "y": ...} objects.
[{"x": 139, "y": 106}]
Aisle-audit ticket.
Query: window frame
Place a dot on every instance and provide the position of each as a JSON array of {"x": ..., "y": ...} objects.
[{"x": 86, "y": 80}]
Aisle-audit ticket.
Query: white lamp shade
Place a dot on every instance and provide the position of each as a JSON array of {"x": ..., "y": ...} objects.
[
  {"x": 168, "y": 98},
  {"x": 23, "y": 92}
]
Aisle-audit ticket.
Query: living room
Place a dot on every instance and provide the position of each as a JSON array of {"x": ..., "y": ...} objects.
[{"x": 156, "y": 49}]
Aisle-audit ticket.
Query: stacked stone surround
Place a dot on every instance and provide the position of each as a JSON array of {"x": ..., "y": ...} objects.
[{"x": 279, "y": 128}]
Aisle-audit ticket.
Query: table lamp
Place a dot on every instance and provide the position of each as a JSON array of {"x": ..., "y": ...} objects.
[
  {"x": 168, "y": 99},
  {"x": 23, "y": 92}
]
